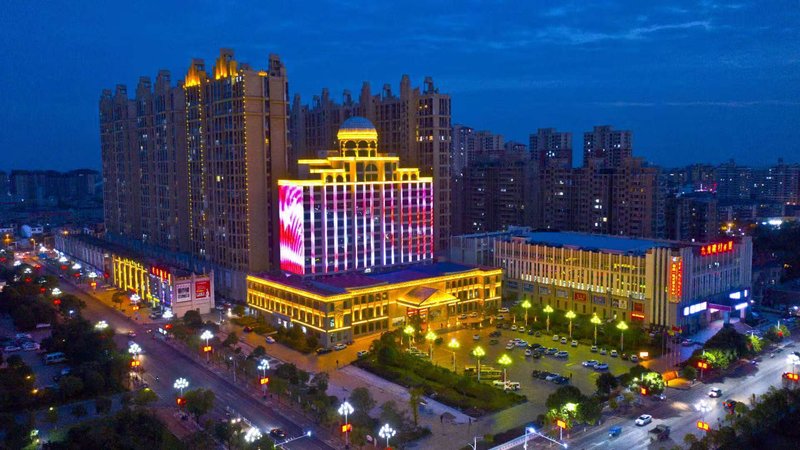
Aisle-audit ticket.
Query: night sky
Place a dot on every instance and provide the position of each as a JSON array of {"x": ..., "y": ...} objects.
[{"x": 700, "y": 81}]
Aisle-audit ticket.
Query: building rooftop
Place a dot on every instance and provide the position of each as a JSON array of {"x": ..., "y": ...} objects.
[
  {"x": 342, "y": 283},
  {"x": 357, "y": 123},
  {"x": 586, "y": 241}
]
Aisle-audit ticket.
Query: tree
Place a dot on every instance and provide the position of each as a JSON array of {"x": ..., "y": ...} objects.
[
  {"x": 653, "y": 381},
  {"x": 70, "y": 386},
  {"x": 199, "y": 402},
  {"x": 117, "y": 298},
  {"x": 689, "y": 372},
  {"x": 144, "y": 397},
  {"x": 362, "y": 402},
  {"x": 590, "y": 410},
  {"x": 390, "y": 414},
  {"x": 562, "y": 396},
  {"x": 415, "y": 395},
  {"x": 192, "y": 319},
  {"x": 756, "y": 343},
  {"x": 606, "y": 382},
  {"x": 320, "y": 382},
  {"x": 231, "y": 339},
  {"x": 79, "y": 411},
  {"x": 102, "y": 405},
  {"x": 258, "y": 352}
]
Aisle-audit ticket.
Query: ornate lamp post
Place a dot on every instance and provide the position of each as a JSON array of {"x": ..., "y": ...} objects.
[
  {"x": 478, "y": 353},
  {"x": 206, "y": 336},
  {"x": 387, "y": 432},
  {"x": 263, "y": 366},
  {"x": 409, "y": 331},
  {"x": 504, "y": 361},
  {"x": 430, "y": 336},
  {"x": 526, "y": 305},
  {"x": 548, "y": 310},
  {"x": 622, "y": 326},
  {"x": 453, "y": 345},
  {"x": 595, "y": 321},
  {"x": 181, "y": 384},
  {"x": 345, "y": 409},
  {"x": 570, "y": 315}
]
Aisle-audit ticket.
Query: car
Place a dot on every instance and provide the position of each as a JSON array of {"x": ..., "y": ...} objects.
[
  {"x": 590, "y": 363},
  {"x": 562, "y": 354},
  {"x": 561, "y": 380},
  {"x": 495, "y": 334},
  {"x": 339, "y": 346},
  {"x": 603, "y": 351},
  {"x": 537, "y": 354},
  {"x": 563, "y": 340},
  {"x": 543, "y": 375},
  {"x": 502, "y": 310},
  {"x": 132, "y": 334},
  {"x": 473, "y": 315},
  {"x": 535, "y": 345},
  {"x": 476, "y": 337},
  {"x": 551, "y": 351},
  {"x": 493, "y": 341},
  {"x": 614, "y": 354},
  {"x": 362, "y": 353},
  {"x": 522, "y": 344},
  {"x": 30, "y": 346},
  {"x": 659, "y": 397},
  {"x": 323, "y": 350},
  {"x": 624, "y": 356},
  {"x": 521, "y": 329},
  {"x": 593, "y": 349},
  {"x": 501, "y": 317},
  {"x": 462, "y": 317},
  {"x": 513, "y": 328},
  {"x": 551, "y": 376},
  {"x": 634, "y": 359},
  {"x": 538, "y": 334},
  {"x": 643, "y": 420},
  {"x": 601, "y": 366},
  {"x": 277, "y": 433},
  {"x": 270, "y": 339},
  {"x": 574, "y": 343},
  {"x": 528, "y": 352},
  {"x": 729, "y": 404},
  {"x": 512, "y": 386},
  {"x": 614, "y": 431},
  {"x": 555, "y": 338},
  {"x": 535, "y": 373},
  {"x": 247, "y": 329},
  {"x": 510, "y": 346},
  {"x": 687, "y": 343},
  {"x": 530, "y": 332},
  {"x": 499, "y": 383}
]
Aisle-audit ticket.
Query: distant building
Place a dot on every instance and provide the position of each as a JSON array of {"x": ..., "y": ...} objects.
[
  {"x": 551, "y": 149},
  {"x": 654, "y": 282},
  {"x": 692, "y": 217},
  {"x": 463, "y": 149},
  {"x": 734, "y": 183},
  {"x": 606, "y": 147}
]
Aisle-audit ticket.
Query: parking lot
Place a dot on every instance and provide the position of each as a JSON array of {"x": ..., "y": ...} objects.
[{"x": 521, "y": 366}]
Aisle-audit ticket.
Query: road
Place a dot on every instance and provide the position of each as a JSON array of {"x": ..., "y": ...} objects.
[
  {"x": 168, "y": 364},
  {"x": 681, "y": 412}
]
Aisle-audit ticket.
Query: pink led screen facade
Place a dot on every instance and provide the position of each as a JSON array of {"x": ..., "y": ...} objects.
[{"x": 291, "y": 218}]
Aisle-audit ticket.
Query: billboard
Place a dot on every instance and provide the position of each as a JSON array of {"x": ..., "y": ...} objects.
[
  {"x": 183, "y": 292},
  {"x": 202, "y": 289},
  {"x": 290, "y": 211}
]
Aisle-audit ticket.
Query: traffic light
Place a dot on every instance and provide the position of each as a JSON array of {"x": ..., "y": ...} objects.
[
  {"x": 791, "y": 376},
  {"x": 347, "y": 427},
  {"x": 643, "y": 390},
  {"x": 561, "y": 424},
  {"x": 702, "y": 365},
  {"x": 180, "y": 401},
  {"x": 264, "y": 380},
  {"x": 703, "y": 425}
]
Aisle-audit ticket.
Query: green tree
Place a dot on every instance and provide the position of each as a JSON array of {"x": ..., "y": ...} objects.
[
  {"x": 258, "y": 352},
  {"x": 231, "y": 339},
  {"x": 199, "y": 402},
  {"x": 415, "y": 395},
  {"x": 320, "y": 382},
  {"x": 756, "y": 343},
  {"x": 192, "y": 319},
  {"x": 689, "y": 372},
  {"x": 70, "y": 386},
  {"x": 653, "y": 381},
  {"x": 590, "y": 410},
  {"x": 562, "y": 396},
  {"x": 362, "y": 402},
  {"x": 606, "y": 382},
  {"x": 118, "y": 298},
  {"x": 145, "y": 397}
]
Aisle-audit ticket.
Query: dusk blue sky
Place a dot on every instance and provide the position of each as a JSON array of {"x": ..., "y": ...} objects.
[{"x": 698, "y": 81}]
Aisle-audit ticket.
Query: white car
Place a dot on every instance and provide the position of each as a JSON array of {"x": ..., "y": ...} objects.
[
  {"x": 555, "y": 338},
  {"x": 614, "y": 353},
  {"x": 601, "y": 366},
  {"x": 476, "y": 337},
  {"x": 339, "y": 346},
  {"x": 603, "y": 351},
  {"x": 563, "y": 340},
  {"x": 522, "y": 344},
  {"x": 513, "y": 328},
  {"x": 574, "y": 343},
  {"x": 634, "y": 359},
  {"x": 593, "y": 349},
  {"x": 362, "y": 353},
  {"x": 715, "y": 392},
  {"x": 590, "y": 363},
  {"x": 510, "y": 346},
  {"x": 643, "y": 420},
  {"x": 528, "y": 352},
  {"x": 270, "y": 339}
]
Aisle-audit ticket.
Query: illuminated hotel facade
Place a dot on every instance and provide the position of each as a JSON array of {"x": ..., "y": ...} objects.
[
  {"x": 357, "y": 210},
  {"x": 654, "y": 282},
  {"x": 347, "y": 306}
]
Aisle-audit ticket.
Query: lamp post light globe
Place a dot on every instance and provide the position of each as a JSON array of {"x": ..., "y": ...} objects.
[
  {"x": 478, "y": 353},
  {"x": 570, "y": 315},
  {"x": 454, "y": 345},
  {"x": 622, "y": 326},
  {"x": 252, "y": 435},
  {"x": 430, "y": 336},
  {"x": 181, "y": 384},
  {"x": 134, "y": 348},
  {"x": 56, "y": 291},
  {"x": 345, "y": 409},
  {"x": 548, "y": 310},
  {"x": 206, "y": 336},
  {"x": 409, "y": 331},
  {"x": 526, "y": 305},
  {"x": 504, "y": 361},
  {"x": 387, "y": 432},
  {"x": 595, "y": 321}
]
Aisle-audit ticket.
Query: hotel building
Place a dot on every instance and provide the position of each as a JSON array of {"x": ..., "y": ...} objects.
[
  {"x": 344, "y": 307},
  {"x": 651, "y": 281},
  {"x": 359, "y": 211}
]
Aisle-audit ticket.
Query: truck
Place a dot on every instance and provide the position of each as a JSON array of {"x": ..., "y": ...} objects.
[{"x": 659, "y": 433}]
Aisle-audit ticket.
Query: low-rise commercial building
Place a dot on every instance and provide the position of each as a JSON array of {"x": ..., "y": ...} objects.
[
  {"x": 655, "y": 282},
  {"x": 343, "y": 307}
]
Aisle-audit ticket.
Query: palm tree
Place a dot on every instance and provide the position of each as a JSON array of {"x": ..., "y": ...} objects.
[{"x": 413, "y": 401}]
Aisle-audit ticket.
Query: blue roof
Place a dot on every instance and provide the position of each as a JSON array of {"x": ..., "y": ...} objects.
[
  {"x": 586, "y": 241},
  {"x": 357, "y": 123}
]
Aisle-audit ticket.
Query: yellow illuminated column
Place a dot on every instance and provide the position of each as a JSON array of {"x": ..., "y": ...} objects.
[
  {"x": 548, "y": 310},
  {"x": 570, "y": 315}
]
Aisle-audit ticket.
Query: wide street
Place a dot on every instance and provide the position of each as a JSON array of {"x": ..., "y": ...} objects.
[{"x": 168, "y": 364}]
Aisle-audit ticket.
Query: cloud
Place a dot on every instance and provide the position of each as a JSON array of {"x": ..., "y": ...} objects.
[
  {"x": 579, "y": 36},
  {"x": 722, "y": 104}
]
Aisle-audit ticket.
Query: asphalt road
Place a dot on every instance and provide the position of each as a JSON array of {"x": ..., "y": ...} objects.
[
  {"x": 162, "y": 361},
  {"x": 681, "y": 409}
]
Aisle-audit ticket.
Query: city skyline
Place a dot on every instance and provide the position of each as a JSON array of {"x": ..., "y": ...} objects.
[{"x": 722, "y": 73}]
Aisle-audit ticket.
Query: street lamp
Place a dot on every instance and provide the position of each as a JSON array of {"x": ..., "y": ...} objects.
[
  {"x": 168, "y": 314},
  {"x": 181, "y": 383},
  {"x": 56, "y": 292},
  {"x": 526, "y": 305},
  {"x": 430, "y": 336},
  {"x": 504, "y": 361},
  {"x": 135, "y": 298},
  {"x": 252, "y": 435},
  {"x": 387, "y": 432},
  {"x": 207, "y": 335},
  {"x": 622, "y": 326},
  {"x": 102, "y": 325},
  {"x": 548, "y": 310},
  {"x": 134, "y": 349},
  {"x": 478, "y": 353},
  {"x": 703, "y": 406},
  {"x": 409, "y": 331},
  {"x": 345, "y": 409},
  {"x": 263, "y": 366},
  {"x": 76, "y": 266},
  {"x": 596, "y": 321},
  {"x": 570, "y": 315},
  {"x": 453, "y": 345}
]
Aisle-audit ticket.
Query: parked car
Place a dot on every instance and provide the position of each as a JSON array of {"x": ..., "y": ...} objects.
[
  {"x": 535, "y": 345},
  {"x": 340, "y": 346},
  {"x": 495, "y": 334},
  {"x": 537, "y": 354},
  {"x": 593, "y": 349},
  {"x": 730, "y": 405},
  {"x": 493, "y": 341},
  {"x": 362, "y": 353},
  {"x": 613, "y": 354},
  {"x": 510, "y": 346},
  {"x": 535, "y": 373},
  {"x": 551, "y": 351},
  {"x": 551, "y": 376},
  {"x": 513, "y": 328},
  {"x": 574, "y": 343},
  {"x": 624, "y": 356},
  {"x": 590, "y": 363},
  {"x": 603, "y": 351},
  {"x": 555, "y": 338},
  {"x": 30, "y": 346},
  {"x": 503, "y": 310},
  {"x": 521, "y": 329},
  {"x": 323, "y": 350},
  {"x": 473, "y": 315},
  {"x": 562, "y": 354},
  {"x": 500, "y": 317},
  {"x": 462, "y": 317},
  {"x": 528, "y": 352},
  {"x": 643, "y": 420},
  {"x": 476, "y": 337},
  {"x": 563, "y": 340},
  {"x": 634, "y": 359},
  {"x": 538, "y": 334},
  {"x": 270, "y": 339},
  {"x": 247, "y": 329},
  {"x": 561, "y": 380},
  {"x": 522, "y": 344},
  {"x": 601, "y": 366},
  {"x": 530, "y": 332},
  {"x": 543, "y": 375},
  {"x": 614, "y": 431}
]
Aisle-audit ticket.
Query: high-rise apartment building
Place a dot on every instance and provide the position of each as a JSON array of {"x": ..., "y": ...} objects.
[
  {"x": 551, "y": 148},
  {"x": 416, "y": 124},
  {"x": 734, "y": 183},
  {"x": 607, "y": 147},
  {"x": 779, "y": 183},
  {"x": 356, "y": 210},
  {"x": 194, "y": 167},
  {"x": 692, "y": 217},
  {"x": 463, "y": 148}
]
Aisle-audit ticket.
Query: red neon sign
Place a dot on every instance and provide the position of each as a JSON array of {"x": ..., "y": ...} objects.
[
  {"x": 713, "y": 249},
  {"x": 676, "y": 278},
  {"x": 639, "y": 316}
]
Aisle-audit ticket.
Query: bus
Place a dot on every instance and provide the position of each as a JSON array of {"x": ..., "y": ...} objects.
[
  {"x": 54, "y": 358},
  {"x": 487, "y": 372}
]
